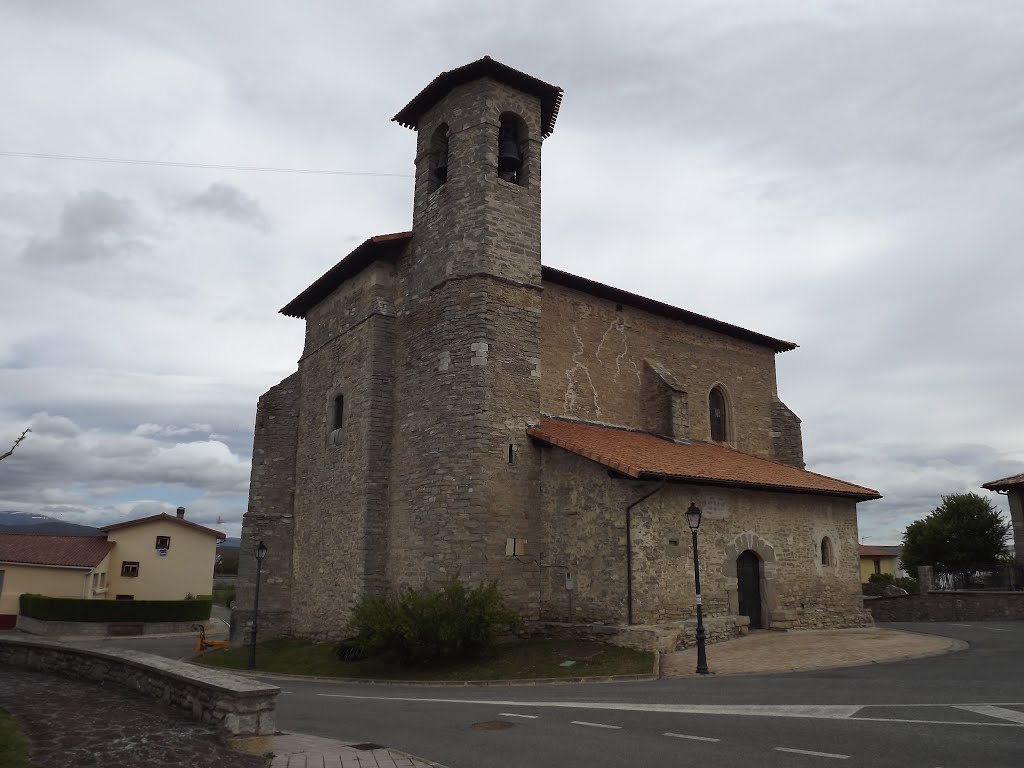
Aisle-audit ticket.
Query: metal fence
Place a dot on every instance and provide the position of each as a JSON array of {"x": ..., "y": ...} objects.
[{"x": 982, "y": 576}]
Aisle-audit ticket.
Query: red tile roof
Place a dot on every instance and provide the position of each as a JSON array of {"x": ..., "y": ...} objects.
[
  {"x": 643, "y": 455},
  {"x": 1006, "y": 484},
  {"x": 167, "y": 518},
  {"x": 550, "y": 95},
  {"x": 865, "y": 551},
  {"x": 67, "y": 551}
]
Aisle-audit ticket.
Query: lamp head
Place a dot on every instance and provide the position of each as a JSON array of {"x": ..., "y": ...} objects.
[
  {"x": 693, "y": 516},
  {"x": 261, "y": 551}
]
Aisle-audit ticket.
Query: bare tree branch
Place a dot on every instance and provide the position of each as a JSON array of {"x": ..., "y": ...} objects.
[{"x": 5, "y": 455}]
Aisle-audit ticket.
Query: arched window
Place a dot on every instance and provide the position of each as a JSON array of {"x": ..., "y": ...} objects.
[
  {"x": 336, "y": 419},
  {"x": 512, "y": 146},
  {"x": 438, "y": 158},
  {"x": 719, "y": 416},
  {"x": 826, "y": 551}
]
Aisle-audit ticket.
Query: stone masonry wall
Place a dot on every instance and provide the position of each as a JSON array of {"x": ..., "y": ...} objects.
[
  {"x": 949, "y": 606},
  {"x": 270, "y": 515},
  {"x": 468, "y": 353},
  {"x": 584, "y": 529},
  {"x": 340, "y": 542},
  {"x": 594, "y": 356},
  {"x": 242, "y": 708}
]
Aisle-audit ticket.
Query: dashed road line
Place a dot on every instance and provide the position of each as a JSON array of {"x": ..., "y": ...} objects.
[
  {"x": 812, "y": 753},
  {"x": 597, "y": 725},
  {"x": 687, "y": 736},
  {"x": 516, "y": 714},
  {"x": 969, "y": 626},
  {"x": 995, "y": 629}
]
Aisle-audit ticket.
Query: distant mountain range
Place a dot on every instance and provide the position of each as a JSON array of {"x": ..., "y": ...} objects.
[{"x": 28, "y": 522}]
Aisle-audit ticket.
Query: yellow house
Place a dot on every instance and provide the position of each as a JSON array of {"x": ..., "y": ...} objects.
[
  {"x": 162, "y": 557},
  {"x": 879, "y": 560},
  {"x": 58, "y": 566}
]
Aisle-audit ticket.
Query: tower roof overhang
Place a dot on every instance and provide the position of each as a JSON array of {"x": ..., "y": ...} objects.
[{"x": 550, "y": 95}]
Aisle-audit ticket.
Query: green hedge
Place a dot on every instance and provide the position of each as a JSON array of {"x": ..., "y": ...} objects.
[{"x": 78, "y": 609}]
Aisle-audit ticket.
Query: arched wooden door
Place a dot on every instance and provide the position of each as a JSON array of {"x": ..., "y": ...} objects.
[{"x": 748, "y": 585}]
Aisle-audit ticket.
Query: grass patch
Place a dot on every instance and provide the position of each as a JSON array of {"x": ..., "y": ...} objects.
[
  {"x": 14, "y": 744},
  {"x": 516, "y": 660}
]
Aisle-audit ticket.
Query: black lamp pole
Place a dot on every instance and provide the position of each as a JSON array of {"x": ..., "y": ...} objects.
[
  {"x": 261, "y": 552},
  {"x": 693, "y": 520}
]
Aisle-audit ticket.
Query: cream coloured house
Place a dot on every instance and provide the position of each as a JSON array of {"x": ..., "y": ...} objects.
[
  {"x": 58, "y": 566},
  {"x": 162, "y": 557}
]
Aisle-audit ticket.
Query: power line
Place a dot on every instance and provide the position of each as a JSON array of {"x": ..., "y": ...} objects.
[{"x": 213, "y": 166}]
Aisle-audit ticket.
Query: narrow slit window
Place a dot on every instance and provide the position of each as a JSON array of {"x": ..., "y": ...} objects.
[
  {"x": 719, "y": 417},
  {"x": 438, "y": 158},
  {"x": 826, "y": 551},
  {"x": 338, "y": 413}
]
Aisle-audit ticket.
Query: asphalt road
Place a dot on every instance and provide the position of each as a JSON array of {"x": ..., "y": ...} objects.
[{"x": 961, "y": 709}]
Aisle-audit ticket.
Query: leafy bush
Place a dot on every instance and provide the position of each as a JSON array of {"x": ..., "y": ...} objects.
[
  {"x": 79, "y": 609},
  {"x": 881, "y": 578},
  {"x": 421, "y": 626}
]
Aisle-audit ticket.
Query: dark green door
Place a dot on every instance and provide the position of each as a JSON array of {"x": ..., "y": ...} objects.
[{"x": 748, "y": 578}]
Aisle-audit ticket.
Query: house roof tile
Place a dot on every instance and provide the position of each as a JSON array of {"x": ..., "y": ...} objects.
[
  {"x": 167, "y": 518},
  {"x": 643, "y": 455},
  {"x": 66, "y": 551},
  {"x": 866, "y": 551}
]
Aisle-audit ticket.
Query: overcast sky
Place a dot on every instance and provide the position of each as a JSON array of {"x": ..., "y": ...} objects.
[{"x": 846, "y": 175}]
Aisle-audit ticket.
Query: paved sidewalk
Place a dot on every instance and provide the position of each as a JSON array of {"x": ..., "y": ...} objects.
[
  {"x": 765, "y": 652},
  {"x": 293, "y": 750}
]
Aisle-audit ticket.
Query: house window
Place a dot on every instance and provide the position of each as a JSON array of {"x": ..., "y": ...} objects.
[
  {"x": 826, "y": 551},
  {"x": 1, "y": 582},
  {"x": 336, "y": 419},
  {"x": 878, "y": 565},
  {"x": 163, "y": 542},
  {"x": 719, "y": 417},
  {"x": 129, "y": 569}
]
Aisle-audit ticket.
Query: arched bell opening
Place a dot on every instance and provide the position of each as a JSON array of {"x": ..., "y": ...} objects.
[
  {"x": 513, "y": 145},
  {"x": 438, "y": 153}
]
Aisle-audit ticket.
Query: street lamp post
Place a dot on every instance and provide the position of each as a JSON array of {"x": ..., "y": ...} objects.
[
  {"x": 261, "y": 552},
  {"x": 693, "y": 520}
]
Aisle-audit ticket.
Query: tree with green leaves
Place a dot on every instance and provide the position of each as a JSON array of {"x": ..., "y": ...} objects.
[{"x": 965, "y": 529}]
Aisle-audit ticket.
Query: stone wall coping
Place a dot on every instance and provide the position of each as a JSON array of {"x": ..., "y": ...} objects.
[{"x": 202, "y": 677}]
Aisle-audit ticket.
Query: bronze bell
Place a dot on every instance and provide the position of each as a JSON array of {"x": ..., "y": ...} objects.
[{"x": 509, "y": 158}]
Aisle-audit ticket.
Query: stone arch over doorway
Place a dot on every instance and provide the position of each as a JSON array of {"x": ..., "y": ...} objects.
[{"x": 751, "y": 542}]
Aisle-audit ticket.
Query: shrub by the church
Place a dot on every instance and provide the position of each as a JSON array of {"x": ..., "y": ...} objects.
[{"x": 419, "y": 626}]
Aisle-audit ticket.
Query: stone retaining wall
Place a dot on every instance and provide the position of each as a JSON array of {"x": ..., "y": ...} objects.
[
  {"x": 106, "y": 629},
  {"x": 242, "y": 708},
  {"x": 949, "y": 606}
]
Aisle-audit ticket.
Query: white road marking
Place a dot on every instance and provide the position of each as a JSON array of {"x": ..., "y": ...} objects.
[
  {"x": 933, "y": 722},
  {"x": 809, "y": 752},
  {"x": 1003, "y": 714},
  {"x": 513, "y": 714},
  {"x": 812, "y": 711},
  {"x": 961, "y": 625},
  {"x": 995, "y": 629},
  {"x": 597, "y": 725},
  {"x": 829, "y": 712},
  {"x": 692, "y": 738}
]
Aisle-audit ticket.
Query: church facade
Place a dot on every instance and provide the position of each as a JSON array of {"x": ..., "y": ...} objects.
[{"x": 461, "y": 411}]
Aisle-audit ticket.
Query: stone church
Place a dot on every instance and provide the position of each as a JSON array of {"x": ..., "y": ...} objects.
[{"x": 462, "y": 411}]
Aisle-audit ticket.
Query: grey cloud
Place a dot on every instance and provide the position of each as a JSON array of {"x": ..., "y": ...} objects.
[
  {"x": 58, "y": 426},
  {"x": 93, "y": 226},
  {"x": 221, "y": 199}
]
